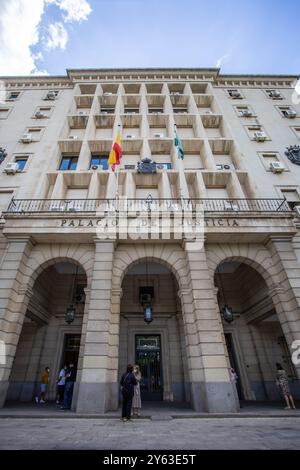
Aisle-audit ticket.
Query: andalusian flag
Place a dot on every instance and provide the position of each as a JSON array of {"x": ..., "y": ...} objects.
[
  {"x": 178, "y": 145},
  {"x": 115, "y": 153}
]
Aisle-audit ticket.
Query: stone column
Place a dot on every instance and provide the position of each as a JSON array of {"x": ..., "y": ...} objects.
[
  {"x": 95, "y": 392},
  {"x": 213, "y": 390},
  {"x": 286, "y": 295},
  {"x": 13, "y": 304}
]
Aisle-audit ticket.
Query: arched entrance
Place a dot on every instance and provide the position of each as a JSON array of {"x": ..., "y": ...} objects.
[
  {"x": 46, "y": 339},
  {"x": 158, "y": 347},
  {"x": 255, "y": 339}
]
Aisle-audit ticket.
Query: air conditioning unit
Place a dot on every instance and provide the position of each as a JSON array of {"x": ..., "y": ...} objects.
[
  {"x": 39, "y": 115},
  {"x": 230, "y": 206},
  {"x": 277, "y": 167},
  {"x": 103, "y": 112},
  {"x": 247, "y": 113},
  {"x": 82, "y": 113},
  {"x": 158, "y": 136},
  {"x": 51, "y": 95},
  {"x": 290, "y": 114},
  {"x": 163, "y": 166},
  {"x": 274, "y": 94},
  {"x": 129, "y": 167},
  {"x": 297, "y": 209},
  {"x": 130, "y": 136},
  {"x": 235, "y": 94},
  {"x": 97, "y": 167},
  {"x": 175, "y": 93},
  {"x": 73, "y": 137},
  {"x": 26, "y": 138},
  {"x": 107, "y": 93},
  {"x": 223, "y": 166},
  {"x": 260, "y": 136},
  {"x": 11, "y": 168}
]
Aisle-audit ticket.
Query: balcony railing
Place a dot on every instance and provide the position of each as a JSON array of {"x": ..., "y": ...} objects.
[{"x": 38, "y": 206}]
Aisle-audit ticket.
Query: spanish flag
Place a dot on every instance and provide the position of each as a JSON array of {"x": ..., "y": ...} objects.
[{"x": 115, "y": 153}]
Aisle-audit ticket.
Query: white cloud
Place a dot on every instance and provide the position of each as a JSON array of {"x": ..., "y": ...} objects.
[
  {"x": 19, "y": 20},
  {"x": 75, "y": 10},
  {"x": 57, "y": 36},
  {"x": 19, "y": 31}
]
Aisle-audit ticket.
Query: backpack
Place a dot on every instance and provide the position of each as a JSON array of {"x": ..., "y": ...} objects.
[{"x": 126, "y": 388}]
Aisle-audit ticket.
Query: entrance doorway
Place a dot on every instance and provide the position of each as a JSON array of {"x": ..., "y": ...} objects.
[
  {"x": 71, "y": 350},
  {"x": 148, "y": 357}
]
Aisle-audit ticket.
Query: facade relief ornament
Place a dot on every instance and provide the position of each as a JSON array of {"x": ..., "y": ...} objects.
[
  {"x": 146, "y": 165},
  {"x": 293, "y": 154}
]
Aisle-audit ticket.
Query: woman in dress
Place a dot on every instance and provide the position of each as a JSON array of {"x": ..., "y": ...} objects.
[
  {"x": 136, "y": 402},
  {"x": 283, "y": 385}
]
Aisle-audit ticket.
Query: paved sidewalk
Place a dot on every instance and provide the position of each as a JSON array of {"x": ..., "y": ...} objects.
[
  {"x": 198, "y": 433},
  {"x": 150, "y": 410}
]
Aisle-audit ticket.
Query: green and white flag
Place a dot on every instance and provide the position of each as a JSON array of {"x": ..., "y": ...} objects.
[{"x": 178, "y": 145}]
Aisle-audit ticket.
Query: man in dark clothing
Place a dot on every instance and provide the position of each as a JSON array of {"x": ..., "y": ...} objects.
[
  {"x": 69, "y": 386},
  {"x": 128, "y": 381}
]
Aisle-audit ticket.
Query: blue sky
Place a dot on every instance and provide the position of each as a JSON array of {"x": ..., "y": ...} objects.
[{"x": 258, "y": 36}]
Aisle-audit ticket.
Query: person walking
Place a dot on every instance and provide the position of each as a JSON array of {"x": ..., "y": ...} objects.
[
  {"x": 61, "y": 382},
  {"x": 136, "y": 401},
  {"x": 43, "y": 386},
  {"x": 283, "y": 386},
  {"x": 128, "y": 381},
  {"x": 69, "y": 386}
]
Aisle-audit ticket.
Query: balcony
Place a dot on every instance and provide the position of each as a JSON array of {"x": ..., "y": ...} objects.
[{"x": 96, "y": 206}]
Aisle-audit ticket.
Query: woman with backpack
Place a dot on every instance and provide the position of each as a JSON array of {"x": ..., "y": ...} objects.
[{"x": 128, "y": 381}]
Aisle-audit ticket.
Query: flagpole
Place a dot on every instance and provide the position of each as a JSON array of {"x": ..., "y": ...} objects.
[
  {"x": 117, "y": 176},
  {"x": 180, "y": 170}
]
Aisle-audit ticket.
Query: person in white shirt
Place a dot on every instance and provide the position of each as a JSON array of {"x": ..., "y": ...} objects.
[{"x": 61, "y": 382}]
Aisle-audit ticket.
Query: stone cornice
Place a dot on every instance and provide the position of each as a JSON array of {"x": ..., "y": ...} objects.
[{"x": 190, "y": 73}]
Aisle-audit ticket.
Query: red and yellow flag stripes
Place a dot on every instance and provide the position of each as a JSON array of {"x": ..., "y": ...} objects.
[{"x": 115, "y": 153}]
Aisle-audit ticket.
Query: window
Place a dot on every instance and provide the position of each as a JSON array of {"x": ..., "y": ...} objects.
[
  {"x": 99, "y": 160},
  {"x": 155, "y": 110},
  {"x": 257, "y": 133},
  {"x": 43, "y": 112},
  {"x": 4, "y": 112},
  {"x": 13, "y": 95},
  {"x": 34, "y": 132},
  {"x": 291, "y": 195},
  {"x": 271, "y": 157},
  {"x": 287, "y": 112},
  {"x": 131, "y": 110},
  {"x": 178, "y": 110},
  {"x": 107, "y": 110},
  {"x": 21, "y": 161},
  {"x": 244, "y": 111},
  {"x": 274, "y": 94},
  {"x": 68, "y": 163},
  {"x": 164, "y": 166},
  {"x": 51, "y": 95},
  {"x": 234, "y": 94},
  {"x": 297, "y": 131}
]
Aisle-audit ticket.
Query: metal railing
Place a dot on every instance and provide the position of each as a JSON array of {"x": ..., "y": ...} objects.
[{"x": 37, "y": 206}]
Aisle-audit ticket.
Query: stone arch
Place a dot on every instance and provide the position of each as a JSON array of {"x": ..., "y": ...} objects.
[
  {"x": 257, "y": 258},
  {"x": 41, "y": 259},
  {"x": 173, "y": 259}
]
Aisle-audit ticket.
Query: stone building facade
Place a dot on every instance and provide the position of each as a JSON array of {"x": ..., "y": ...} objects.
[{"x": 61, "y": 242}]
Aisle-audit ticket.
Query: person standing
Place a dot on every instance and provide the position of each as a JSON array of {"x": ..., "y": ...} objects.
[
  {"x": 284, "y": 388},
  {"x": 128, "y": 381},
  {"x": 69, "y": 386},
  {"x": 136, "y": 401},
  {"x": 43, "y": 386},
  {"x": 61, "y": 385}
]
